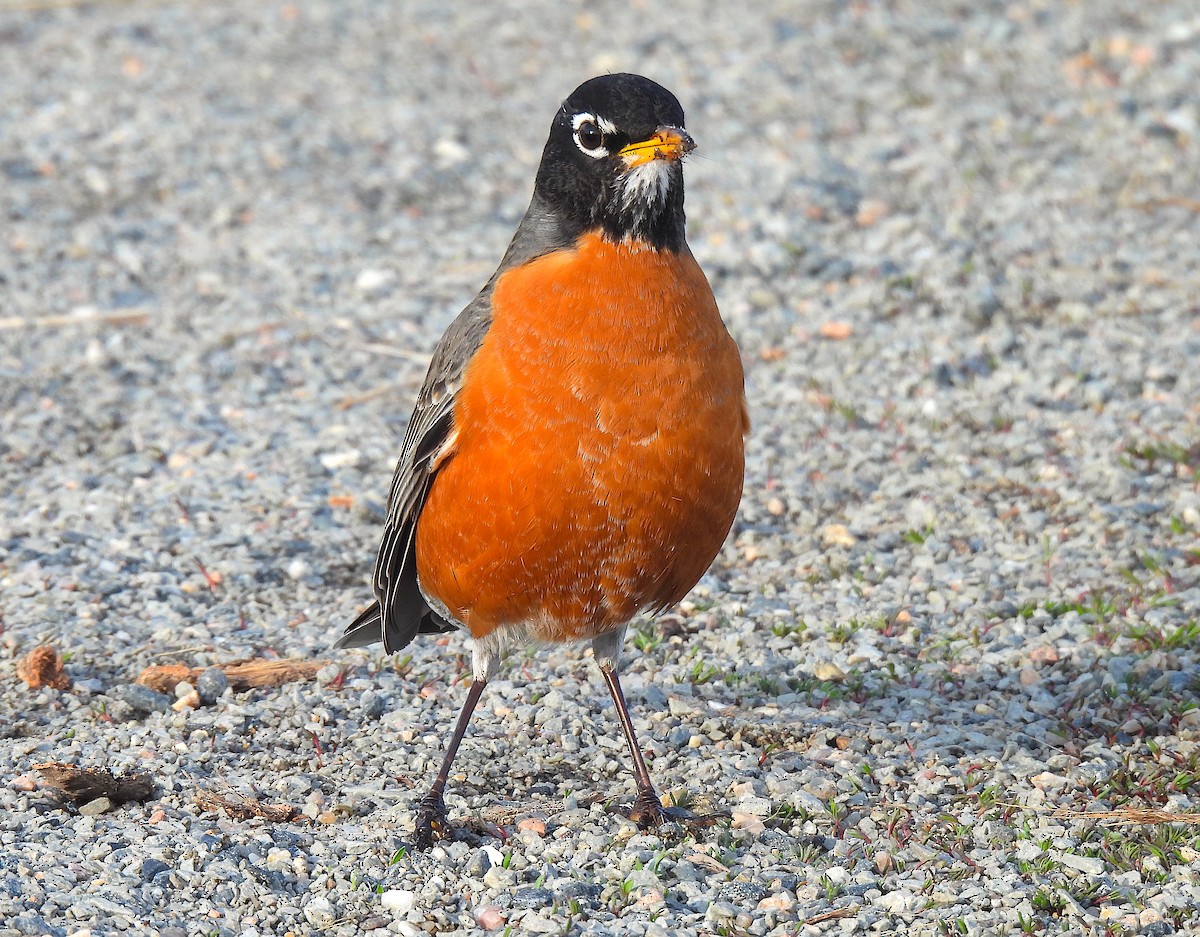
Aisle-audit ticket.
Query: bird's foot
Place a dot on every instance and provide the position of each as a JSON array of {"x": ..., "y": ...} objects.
[
  {"x": 648, "y": 813},
  {"x": 429, "y": 821}
]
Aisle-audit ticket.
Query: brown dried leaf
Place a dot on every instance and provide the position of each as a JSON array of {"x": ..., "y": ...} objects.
[
  {"x": 82, "y": 785},
  {"x": 43, "y": 667}
]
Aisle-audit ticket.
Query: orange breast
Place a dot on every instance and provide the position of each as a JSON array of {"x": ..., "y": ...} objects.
[{"x": 599, "y": 453}]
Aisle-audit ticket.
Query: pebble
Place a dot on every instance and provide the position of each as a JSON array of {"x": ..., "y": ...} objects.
[
  {"x": 532, "y": 825},
  {"x": 97, "y": 807},
  {"x": 827, "y": 670},
  {"x": 211, "y": 684},
  {"x": 398, "y": 901},
  {"x": 151, "y": 868},
  {"x": 749, "y": 822},
  {"x": 1086, "y": 864},
  {"x": 32, "y": 924},
  {"x": 758, "y": 806},
  {"x": 142, "y": 698},
  {"x": 532, "y": 898},
  {"x": 741, "y": 892},
  {"x": 490, "y": 917},
  {"x": 190, "y": 701},
  {"x": 279, "y": 860},
  {"x": 499, "y": 878},
  {"x": 896, "y": 902},
  {"x": 962, "y": 559},
  {"x": 372, "y": 281},
  {"x": 479, "y": 864},
  {"x": 320, "y": 912}
]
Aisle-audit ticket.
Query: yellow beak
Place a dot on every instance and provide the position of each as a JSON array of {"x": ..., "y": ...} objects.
[{"x": 669, "y": 143}]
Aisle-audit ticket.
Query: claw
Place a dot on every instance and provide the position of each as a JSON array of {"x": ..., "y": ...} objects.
[
  {"x": 648, "y": 813},
  {"x": 429, "y": 821}
]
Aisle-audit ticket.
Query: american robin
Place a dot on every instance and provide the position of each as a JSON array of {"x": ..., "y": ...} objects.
[{"x": 576, "y": 453}]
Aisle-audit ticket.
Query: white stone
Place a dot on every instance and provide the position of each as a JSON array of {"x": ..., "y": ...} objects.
[
  {"x": 1087, "y": 864},
  {"x": 371, "y": 282},
  {"x": 398, "y": 901}
]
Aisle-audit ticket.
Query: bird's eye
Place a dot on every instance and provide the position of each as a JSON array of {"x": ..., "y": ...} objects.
[{"x": 589, "y": 136}]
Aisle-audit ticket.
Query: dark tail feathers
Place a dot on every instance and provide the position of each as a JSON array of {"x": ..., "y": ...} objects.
[{"x": 366, "y": 629}]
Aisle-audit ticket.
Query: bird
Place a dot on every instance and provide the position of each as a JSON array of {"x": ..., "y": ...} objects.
[{"x": 576, "y": 453}]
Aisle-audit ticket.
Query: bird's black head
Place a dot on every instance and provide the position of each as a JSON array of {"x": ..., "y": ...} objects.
[{"x": 613, "y": 162}]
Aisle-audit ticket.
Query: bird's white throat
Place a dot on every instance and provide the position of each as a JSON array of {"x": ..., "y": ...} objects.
[{"x": 644, "y": 188}]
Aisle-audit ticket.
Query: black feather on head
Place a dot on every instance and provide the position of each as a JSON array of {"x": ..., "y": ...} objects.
[{"x": 613, "y": 162}]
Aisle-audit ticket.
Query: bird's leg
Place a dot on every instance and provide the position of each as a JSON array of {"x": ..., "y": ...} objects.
[
  {"x": 430, "y": 819},
  {"x": 647, "y": 811}
]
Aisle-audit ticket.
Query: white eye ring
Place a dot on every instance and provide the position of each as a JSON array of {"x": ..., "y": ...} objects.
[{"x": 585, "y": 124}]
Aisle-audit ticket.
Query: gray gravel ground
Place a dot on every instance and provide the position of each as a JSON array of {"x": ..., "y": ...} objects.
[{"x": 959, "y": 612}]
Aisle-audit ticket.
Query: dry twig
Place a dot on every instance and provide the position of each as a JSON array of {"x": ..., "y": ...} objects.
[
  {"x": 242, "y": 674},
  {"x": 1145, "y": 815},
  {"x": 127, "y": 317},
  {"x": 241, "y": 807},
  {"x": 833, "y": 915},
  {"x": 1127, "y": 815}
]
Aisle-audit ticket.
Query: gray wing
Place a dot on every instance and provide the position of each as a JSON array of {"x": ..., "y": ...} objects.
[{"x": 400, "y": 611}]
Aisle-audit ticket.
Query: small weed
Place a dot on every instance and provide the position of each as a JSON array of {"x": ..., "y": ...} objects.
[
  {"x": 1089, "y": 892},
  {"x": 808, "y": 852},
  {"x": 919, "y": 536},
  {"x": 1048, "y": 903},
  {"x": 791, "y": 629},
  {"x": 646, "y": 637},
  {"x": 989, "y": 796},
  {"x": 1164, "y": 451},
  {"x": 1151, "y": 850},
  {"x": 1153, "y": 638},
  {"x": 403, "y": 666},
  {"x": 768, "y": 685},
  {"x": 1049, "y": 548},
  {"x": 783, "y": 816}
]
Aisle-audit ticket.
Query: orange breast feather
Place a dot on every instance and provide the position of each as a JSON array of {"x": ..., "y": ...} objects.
[{"x": 599, "y": 453}]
